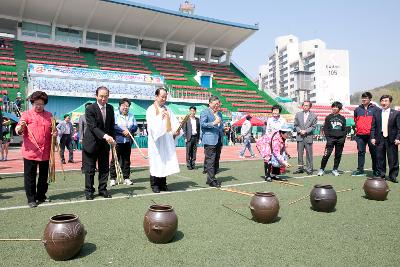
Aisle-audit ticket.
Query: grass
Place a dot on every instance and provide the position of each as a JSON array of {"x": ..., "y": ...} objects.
[{"x": 360, "y": 232}]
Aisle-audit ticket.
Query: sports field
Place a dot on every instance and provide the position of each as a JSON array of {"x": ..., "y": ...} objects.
[{"x": 215, "y": 227}]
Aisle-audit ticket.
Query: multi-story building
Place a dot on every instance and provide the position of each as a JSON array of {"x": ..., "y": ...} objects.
[{"x": 306, "y": 70}]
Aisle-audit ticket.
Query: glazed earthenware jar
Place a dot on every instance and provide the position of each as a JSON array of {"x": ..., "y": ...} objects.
[
  {"x": 264, "y": 207},
  {"x": 160, "y": 223},
  {"x": 323, "y": 198},
  {"x": 63, "y": 236},
  {"x": 376, "y": 189}
]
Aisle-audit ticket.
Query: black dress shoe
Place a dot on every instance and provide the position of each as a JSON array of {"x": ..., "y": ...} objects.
[
  {"x": 163, "y": 188},
  {"x": 32, "y": 204},
  {"x": 71, "y": 161},
  {"x": 204, "y": 171},
  {"x": 394, "y": 181},
  {"x": 215, "y": 183},
  {"x": 298, "y": 171},
  {"x": 63, "y": 161},
  {"x": 89, "y": 197},
  {"x": 46, "y": 200},
  {"x": 105, "y": 194},
  {"x": 155, "y": 189}
]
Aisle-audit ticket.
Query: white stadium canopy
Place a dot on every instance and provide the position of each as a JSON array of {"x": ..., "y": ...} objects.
[{"x": 120, "y": 17}]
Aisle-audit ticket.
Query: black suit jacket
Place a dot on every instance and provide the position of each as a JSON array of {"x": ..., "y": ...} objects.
[
  {"x": 187, "y": 129},
  {"x": 93, "y": 141},
  {"x": 393, "y": 126}
]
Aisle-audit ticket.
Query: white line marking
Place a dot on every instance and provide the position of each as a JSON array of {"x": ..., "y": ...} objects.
[{"x": 128, "y": 196}]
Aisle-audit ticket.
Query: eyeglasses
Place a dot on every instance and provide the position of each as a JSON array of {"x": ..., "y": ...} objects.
[{"x": 38, "y": 105}]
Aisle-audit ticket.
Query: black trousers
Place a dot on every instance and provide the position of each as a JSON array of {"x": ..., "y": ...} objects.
[
  {"x": 89, "y": 166},
  {"x": 211, "y": 159},
  {"x": 159, "y": 182},
  {"x": 362, "y": 142},
  {"x": 191, "y": 151},
  {"x": 124, "y": 159},
  {"x": 333, "y": 143},
  {"x": 35, "y": 192},
  {"x": 66, "y": 141},
  {"x": 386, "y": 148},
  {"x": 268, "y": 169}
]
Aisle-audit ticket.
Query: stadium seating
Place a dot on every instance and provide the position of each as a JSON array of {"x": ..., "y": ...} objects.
[{"x": 53, "y": 55}]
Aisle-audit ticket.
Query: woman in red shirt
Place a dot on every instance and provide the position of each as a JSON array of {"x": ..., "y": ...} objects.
[{"x": 35, "y": 127}]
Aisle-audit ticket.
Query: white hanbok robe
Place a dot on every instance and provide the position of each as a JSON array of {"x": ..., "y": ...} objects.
[{"x": 161, "y": 144}]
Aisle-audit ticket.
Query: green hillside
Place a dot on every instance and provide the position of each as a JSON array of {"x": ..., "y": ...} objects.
[{"x": 392, "y": 89}]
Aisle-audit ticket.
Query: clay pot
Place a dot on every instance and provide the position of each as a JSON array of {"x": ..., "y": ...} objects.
[
  {"x": 63, "y": 236},
  {"x": 376, "y": 189},
  {"x": 323, "y": 198},
  {"x": 264, "y": 207},
  {"x": 160, "y": 223}
]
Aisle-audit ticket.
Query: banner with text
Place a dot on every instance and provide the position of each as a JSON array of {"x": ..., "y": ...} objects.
[{"x": 90, "y": 74}]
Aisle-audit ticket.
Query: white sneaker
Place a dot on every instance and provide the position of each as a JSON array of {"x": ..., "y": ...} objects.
[
  {"x": 320, "y": 172},
  {"x": 128, "y": 182},
  {"x": 335, "y": 172},
  {"x": 241, "y": 157},
  {"x": 113, "y": 182}
]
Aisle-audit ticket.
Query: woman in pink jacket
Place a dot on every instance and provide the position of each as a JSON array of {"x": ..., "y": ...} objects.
[
  {"x": 35, "y": 127},
  {"x": 272, "y": 148}
]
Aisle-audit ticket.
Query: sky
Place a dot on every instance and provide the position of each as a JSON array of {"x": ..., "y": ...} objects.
[{"x": 368, "y": 29}]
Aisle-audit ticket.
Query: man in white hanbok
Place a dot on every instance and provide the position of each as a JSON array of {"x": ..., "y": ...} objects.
[{"x": 162, "y": 128}]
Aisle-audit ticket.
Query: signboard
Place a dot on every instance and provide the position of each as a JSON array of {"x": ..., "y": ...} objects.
[
  {"x": 333, "y": 81},
  {"x": 90, "y": 74}
]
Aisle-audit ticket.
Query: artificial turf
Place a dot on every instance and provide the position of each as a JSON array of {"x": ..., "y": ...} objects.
[{"x": 215, "y": 227}]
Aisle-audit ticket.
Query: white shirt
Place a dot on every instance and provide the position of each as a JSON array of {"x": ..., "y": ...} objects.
[
  {"x": 385, "y": 117},
  {"x": 194, "y": 128},
  {"x": 105, "y": 112}
]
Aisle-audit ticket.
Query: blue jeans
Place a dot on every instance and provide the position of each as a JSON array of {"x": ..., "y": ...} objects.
[{"x": 246, "y": 144}]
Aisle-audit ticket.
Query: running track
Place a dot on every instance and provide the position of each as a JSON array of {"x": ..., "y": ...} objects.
[{"x": 14, "y": 164}]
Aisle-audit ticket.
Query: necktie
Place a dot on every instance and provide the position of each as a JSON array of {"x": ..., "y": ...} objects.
[
  {"x": 385, "y": 118},
  {"x": 305, "y": 117},
  {"x": 103, "y": 112}
]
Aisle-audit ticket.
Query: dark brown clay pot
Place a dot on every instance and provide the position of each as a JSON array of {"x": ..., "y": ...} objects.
[
  {"x": 376, "y": 189},
  {"x": 160, "y": 223},
  {"x": 264, "y": 207},
  {"x": 63, "y": 236},
  {"x": 323, "y": 198}
]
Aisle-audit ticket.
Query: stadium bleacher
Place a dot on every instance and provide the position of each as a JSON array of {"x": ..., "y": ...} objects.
[{"x": 228, "y": 84}]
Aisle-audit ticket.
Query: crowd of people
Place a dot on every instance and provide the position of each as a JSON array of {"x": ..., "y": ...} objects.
[{"x": 102, "y": 128}]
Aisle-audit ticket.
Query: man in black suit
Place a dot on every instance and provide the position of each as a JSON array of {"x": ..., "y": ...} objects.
[
  {"x": 385, "y": 134},
  {"x": 191, "y": 130},
  {"x": 99, "y": 135}
]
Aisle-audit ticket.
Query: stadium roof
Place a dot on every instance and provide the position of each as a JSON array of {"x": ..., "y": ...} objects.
[{"x": 130, "y": 18}]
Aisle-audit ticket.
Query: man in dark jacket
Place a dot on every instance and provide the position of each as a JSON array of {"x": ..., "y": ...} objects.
[
  {"x": 363, "y": 115},
  {"x": 191, "y": 130},
  {"x": 385, "y": 134},
  {"x": 335, "y": 133},
  {"x": 99, "y": 135}
]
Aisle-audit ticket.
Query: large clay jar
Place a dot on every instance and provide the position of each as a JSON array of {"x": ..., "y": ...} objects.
[
  {"x": 160, "y": 223},
  {"x": 323, "y": 198},
  {"x": 264, "y": 207},
  {"x": 63, "y": 236},
  {"x": 376, "y": 188}
]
